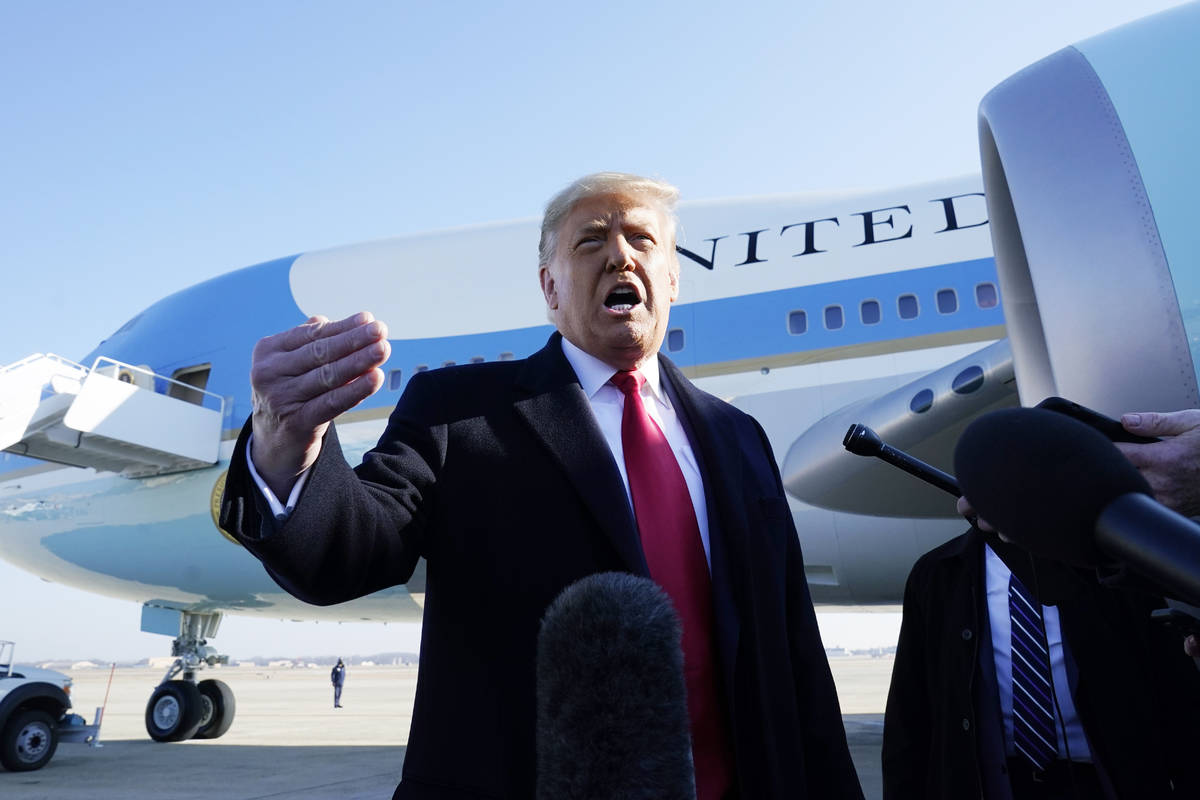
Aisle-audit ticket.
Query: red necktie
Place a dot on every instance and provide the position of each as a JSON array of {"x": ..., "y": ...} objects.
[{"x": 671, "y": 541}]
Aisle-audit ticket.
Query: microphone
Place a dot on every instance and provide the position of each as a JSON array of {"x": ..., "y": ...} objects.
[
  {"x": 612, "y": 717},
  {"x": 862, "y": 441},
  {"x": 1059, "y": 489}
]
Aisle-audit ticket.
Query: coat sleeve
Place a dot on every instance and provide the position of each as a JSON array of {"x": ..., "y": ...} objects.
[
  {"x": 352, "y": 532},
  {"x": 906, "y": 726},
  {"x": 828, "y": 768}
]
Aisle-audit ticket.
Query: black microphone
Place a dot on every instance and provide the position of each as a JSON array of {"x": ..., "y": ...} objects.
[
  {"x": 1061, "y": 490},
  {"x": 612, "y": 718},
  {"x": 862, "y": 441}
]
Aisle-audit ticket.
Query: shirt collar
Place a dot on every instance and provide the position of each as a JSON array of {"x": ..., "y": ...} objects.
[
  {"x": 593, "y": 373},
  {"x": 996, "y": 571}
]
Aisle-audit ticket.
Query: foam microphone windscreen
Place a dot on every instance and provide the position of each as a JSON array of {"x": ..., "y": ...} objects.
[
  {"x": 1042, "y": 479},
  {"x": 612, "y": 716}
]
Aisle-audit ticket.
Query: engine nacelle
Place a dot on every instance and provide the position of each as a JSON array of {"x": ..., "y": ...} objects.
[{"x": 1090, "y": 171}]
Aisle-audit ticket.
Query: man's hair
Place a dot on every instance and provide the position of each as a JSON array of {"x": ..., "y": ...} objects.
[{"x": 594, "y": 185}]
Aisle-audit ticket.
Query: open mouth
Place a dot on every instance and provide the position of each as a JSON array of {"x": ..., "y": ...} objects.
[{"x": 622, "y": 299}]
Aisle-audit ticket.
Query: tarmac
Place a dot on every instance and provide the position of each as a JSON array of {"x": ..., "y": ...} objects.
[{"x": 287, "y": 740}]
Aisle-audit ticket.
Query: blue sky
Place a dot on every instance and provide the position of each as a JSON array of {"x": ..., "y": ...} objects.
[{"x": 149, "y": 146}]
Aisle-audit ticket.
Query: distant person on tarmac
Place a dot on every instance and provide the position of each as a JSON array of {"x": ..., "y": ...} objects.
[{"x": 338, "y": 677}]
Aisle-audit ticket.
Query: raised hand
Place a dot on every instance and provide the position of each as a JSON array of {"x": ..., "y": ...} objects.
[{"x": 301, "y": 380}]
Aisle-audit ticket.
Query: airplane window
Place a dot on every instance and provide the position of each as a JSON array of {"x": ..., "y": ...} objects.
[
  {"x": 968, "y": 380},
  {"x": 834, "y": 318},
  {"x": 922, "y": 401},
  {"x": 947, "y": 301},
  {"x": 908, "y": 307},
  {"x": 421, "y": 368},
  {"x": 395, "y": 378},
  {"x": 477, "y": 359},
  {"x": 448, "y": 363},
  {"x": 506, "y": 356},
  {"x": 797, "y": 322},
  {"x": 675, "y": 339},
  {"x": 869, "y": 312},
  {"x": 985, "y": 295}
]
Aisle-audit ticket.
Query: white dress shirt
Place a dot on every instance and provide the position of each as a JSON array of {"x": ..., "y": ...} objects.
[
  {"x": 996, "y": 574},
  {"x": 608, "y": 404}
]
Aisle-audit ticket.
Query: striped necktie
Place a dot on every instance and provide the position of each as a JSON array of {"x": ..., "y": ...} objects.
[
  {"x": 674, "y": 553},
  {"x": 1033, "y": 701}
]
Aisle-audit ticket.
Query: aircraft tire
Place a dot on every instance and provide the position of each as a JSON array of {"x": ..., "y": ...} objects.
[
  {"x": 28, "y": 741},
  {"x": 174, "y": 711},
  {"x": 218, "y": 706}
]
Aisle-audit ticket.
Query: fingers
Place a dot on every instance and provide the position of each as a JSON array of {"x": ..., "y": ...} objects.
[
  {"x": 328, "y": 405},
  {"x": 965, "y": 508},
  {"x": 1151, "y": 423},
  {"x": 305, "y": 377},
  {"x": 318, "y": 327},
  {"x": 316, "y": 343},
  {"x": 298, "y": 365},
  {"x": 1191, "y": 646},
  {"x": 330, "y": 375}
]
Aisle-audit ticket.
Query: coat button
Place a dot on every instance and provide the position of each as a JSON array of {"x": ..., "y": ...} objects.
[
  {"x": 966, "y": 634},
  {"x": 966, "y": 724}
]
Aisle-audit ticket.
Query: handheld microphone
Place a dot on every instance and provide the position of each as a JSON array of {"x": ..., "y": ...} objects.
[
  {"x": 612, "y": 719},
  {"x": 862, "y": 441},
  {"x": 1061, "y": 490}
]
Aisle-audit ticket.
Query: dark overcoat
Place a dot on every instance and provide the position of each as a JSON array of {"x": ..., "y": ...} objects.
[
  {"x": 498, "y": 475},
  {"x": 1136, "y": 693}
]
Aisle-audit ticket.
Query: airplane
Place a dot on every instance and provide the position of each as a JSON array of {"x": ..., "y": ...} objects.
[{"x": 808, "y": 311}]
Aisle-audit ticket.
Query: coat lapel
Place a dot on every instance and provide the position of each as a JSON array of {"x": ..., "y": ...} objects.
[{"x": 557, "y": 411}]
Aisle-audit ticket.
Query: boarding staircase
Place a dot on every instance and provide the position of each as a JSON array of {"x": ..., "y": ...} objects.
[{"x": 112, "y": 416}]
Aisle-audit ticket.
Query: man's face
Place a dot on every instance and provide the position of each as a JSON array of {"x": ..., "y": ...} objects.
[{"x": 613, "y": 277}]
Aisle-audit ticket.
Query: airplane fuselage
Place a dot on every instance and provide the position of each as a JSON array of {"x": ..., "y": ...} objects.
[{"x": 791, "y": 308}]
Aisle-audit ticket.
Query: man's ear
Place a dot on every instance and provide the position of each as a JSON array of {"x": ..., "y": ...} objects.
[{"x": 549, "y": 290}]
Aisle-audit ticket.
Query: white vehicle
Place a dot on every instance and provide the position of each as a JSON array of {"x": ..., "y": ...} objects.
[{"x": 34, "y": 714}]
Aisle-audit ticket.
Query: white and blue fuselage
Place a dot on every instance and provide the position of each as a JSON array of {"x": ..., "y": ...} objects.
[{"x": 791, "y": 307}]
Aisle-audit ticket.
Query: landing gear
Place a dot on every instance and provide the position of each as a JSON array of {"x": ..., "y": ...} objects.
[
  {"x": 174, "y": 712},
  {"x": 180, "y": 708},
  {"x": 216, "y": 698}
]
